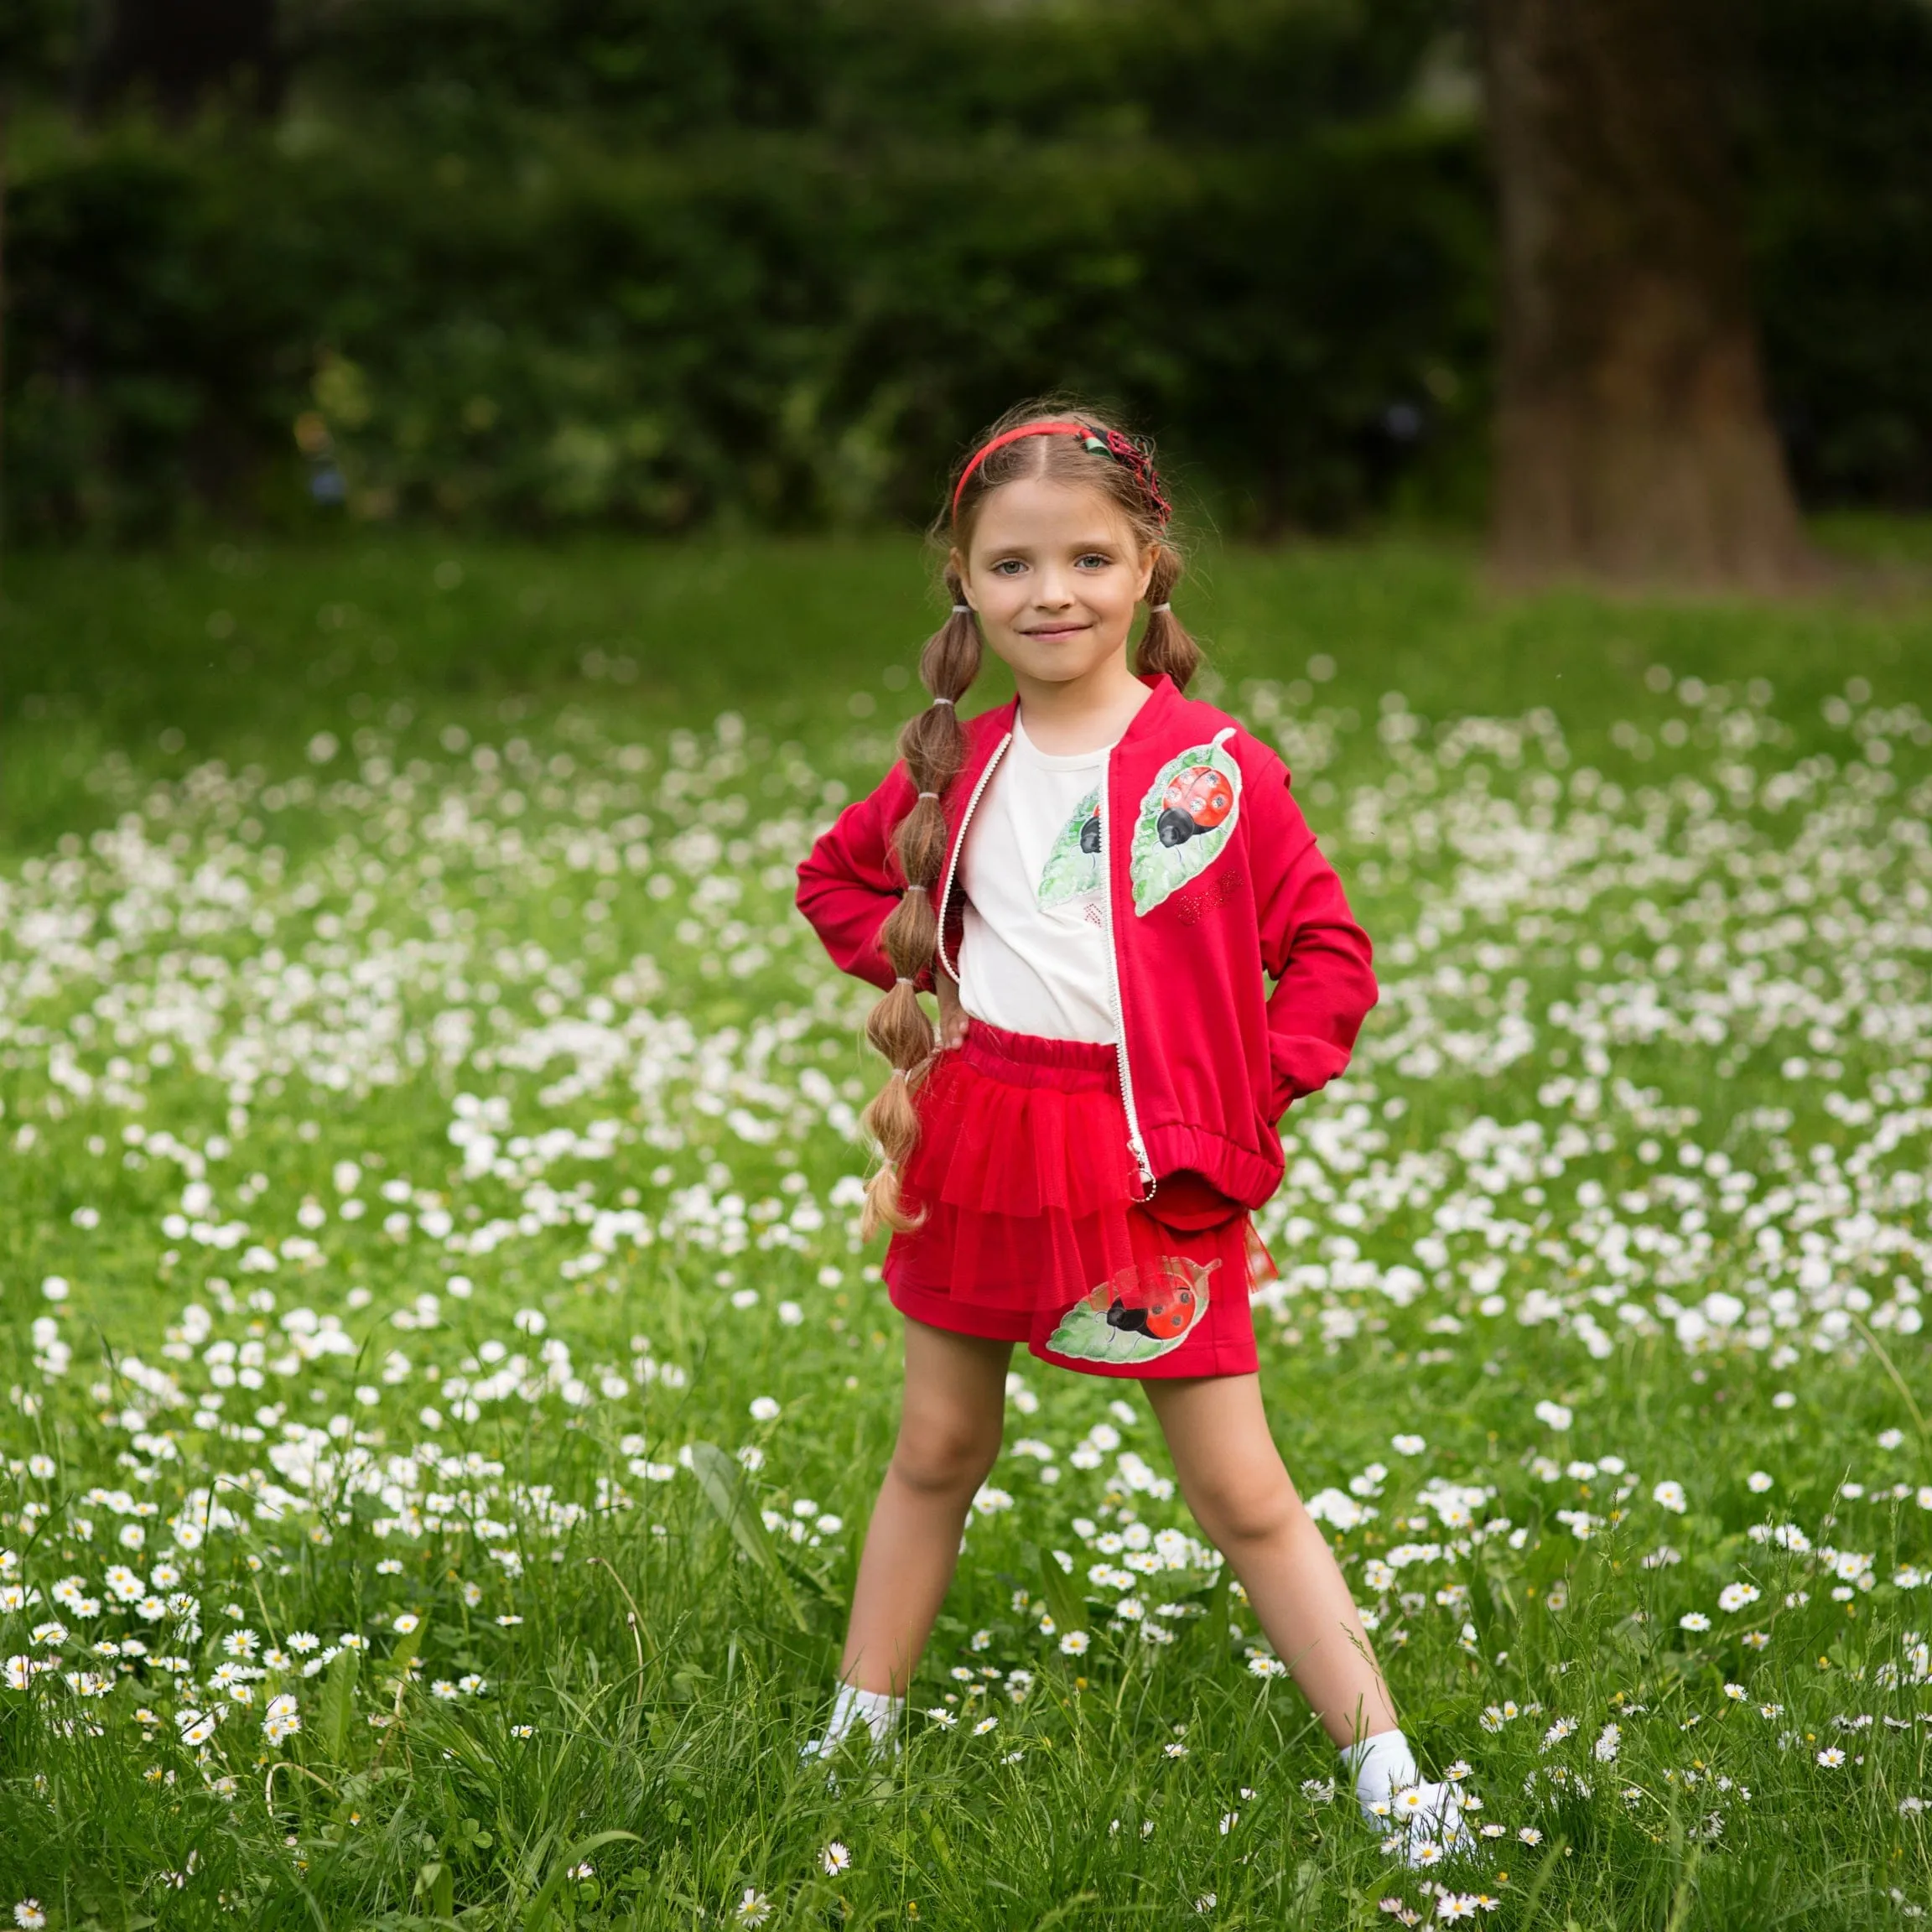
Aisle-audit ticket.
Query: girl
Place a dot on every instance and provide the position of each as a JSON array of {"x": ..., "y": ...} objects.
[{"x": 1098, "y": 880}]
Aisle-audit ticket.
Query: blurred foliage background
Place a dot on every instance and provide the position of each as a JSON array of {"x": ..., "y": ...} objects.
[{"x": 674, "y": 264}]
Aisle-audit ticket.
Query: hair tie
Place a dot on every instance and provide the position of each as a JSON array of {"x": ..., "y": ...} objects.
[
  {"x": 1158, "y": 610},
  {"x": 962, "y": 610},
  {"x": 906, "y": 980},
  {"x": 928, "y": 794},
  {"x": 942, "y": 701}
]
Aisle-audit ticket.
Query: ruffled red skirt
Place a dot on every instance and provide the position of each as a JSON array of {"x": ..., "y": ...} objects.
[{"x": 1031, "y": 1229}]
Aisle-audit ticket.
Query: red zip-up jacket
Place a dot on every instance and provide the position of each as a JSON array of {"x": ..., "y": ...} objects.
[{"x": 1213, "y": 881}]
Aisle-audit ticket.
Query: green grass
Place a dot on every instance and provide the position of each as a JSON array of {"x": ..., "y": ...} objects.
[{"x": 465, "y": 898}]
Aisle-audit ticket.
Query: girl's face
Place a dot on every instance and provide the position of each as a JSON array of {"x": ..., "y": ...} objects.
[{"x": 1055, "y": 572}]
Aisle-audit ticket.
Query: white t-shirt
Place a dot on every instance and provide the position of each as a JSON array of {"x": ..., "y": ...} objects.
[{"x": 1033, "y": 958}]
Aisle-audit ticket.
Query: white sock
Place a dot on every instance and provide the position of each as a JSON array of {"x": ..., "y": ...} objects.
[
  {"x": 878, "y": 1710},
  {"x": 1381, "y": 1766},
  {"x": 1384, "y": 1766}
]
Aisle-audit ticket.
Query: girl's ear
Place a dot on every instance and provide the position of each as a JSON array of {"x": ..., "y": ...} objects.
[
  {"x": 956, "y": 567},
  {"x": 1149, "y": 557}
]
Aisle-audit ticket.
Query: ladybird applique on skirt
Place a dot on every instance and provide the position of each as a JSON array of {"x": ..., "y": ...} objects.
[{"x": 1032, "y": 1231}]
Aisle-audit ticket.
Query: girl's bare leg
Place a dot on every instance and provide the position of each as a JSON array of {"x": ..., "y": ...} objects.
[
  {"x": 949, "y": 1429},
  {"x": 1235, "y": 1482}
]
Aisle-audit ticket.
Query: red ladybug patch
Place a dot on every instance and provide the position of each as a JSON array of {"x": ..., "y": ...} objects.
[
  {"x": 1170, "y": 1314},
  {"x": 1139, "y": 1313},
  {"x": 1186, "y": 820},
  {"x": 1195, "y": 801}
]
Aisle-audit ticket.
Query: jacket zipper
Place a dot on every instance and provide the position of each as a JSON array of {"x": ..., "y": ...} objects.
[
  {"x": 1135, "y": 1144},
  {"x": 959, "y": 846}
]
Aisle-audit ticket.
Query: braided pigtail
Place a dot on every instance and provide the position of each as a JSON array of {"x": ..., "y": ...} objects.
[
  {"x": 1164, "y": 645},
  {"x": 933, "y": 746}
]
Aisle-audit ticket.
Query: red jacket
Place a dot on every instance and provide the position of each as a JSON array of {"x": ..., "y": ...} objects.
[{"x": 1215, "y": 881}]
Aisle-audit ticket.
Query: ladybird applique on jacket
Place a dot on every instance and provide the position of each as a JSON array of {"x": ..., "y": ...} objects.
[{"x": 1186, "y": 819}]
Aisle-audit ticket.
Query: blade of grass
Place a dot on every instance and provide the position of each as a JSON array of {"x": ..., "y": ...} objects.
[
  {"x": 724, "y": 1487},
  {"x": 544, "y": 1903}
]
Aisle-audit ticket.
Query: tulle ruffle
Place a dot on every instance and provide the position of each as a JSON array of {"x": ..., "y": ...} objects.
[{"x": 1028, "y": 1189}]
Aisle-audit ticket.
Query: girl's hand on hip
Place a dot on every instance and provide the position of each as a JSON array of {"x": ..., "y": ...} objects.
[{"x": 953, "y": 1018}]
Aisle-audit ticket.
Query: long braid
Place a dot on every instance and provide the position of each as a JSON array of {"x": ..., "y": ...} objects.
[{"x": 933, "y": 746}]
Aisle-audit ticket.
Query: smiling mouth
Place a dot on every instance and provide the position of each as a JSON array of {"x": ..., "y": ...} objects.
[{"x": 1055, "y": 630}]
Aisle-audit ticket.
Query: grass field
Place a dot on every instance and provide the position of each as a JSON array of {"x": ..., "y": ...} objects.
[{"x": 447, "y": 1391}]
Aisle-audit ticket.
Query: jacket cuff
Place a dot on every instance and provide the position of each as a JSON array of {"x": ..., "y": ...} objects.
[{"x": 1302, "y": 1067}]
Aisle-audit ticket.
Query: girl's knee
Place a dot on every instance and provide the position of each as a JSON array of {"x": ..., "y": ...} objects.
[
  {"x": 945, "y": 1455},
  {"x": 1243, "y": 1509}
]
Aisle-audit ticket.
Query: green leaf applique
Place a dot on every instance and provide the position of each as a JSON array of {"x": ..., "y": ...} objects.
[
  {"x": 1185, "y": 821},
  {"x": 1137, "y": 1314},
  {"x": 1072, "y": 867}
]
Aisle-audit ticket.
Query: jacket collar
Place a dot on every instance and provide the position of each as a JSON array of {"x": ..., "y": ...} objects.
[{"x": 1163, "y": 695}]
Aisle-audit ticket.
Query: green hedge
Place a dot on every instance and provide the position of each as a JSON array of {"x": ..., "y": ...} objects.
[{"x": 749, "y": 329}]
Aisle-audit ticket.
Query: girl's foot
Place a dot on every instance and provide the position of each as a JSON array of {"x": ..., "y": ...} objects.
[
  {"x": 1426, "y": 1818},
  {"x": 875, "y": 1714}
]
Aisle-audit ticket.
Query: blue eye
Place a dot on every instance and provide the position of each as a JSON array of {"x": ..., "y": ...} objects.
[
  {"x": 1096, "y": 559},
  {"x": 1007, "y": 566}
]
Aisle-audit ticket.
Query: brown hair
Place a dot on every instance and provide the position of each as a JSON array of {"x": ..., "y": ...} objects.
[{"x": 933, "y": 743}]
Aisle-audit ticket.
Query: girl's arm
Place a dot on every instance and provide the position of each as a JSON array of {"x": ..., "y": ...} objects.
[
  {"x": 850, "y": 881},
  {"x": 1310, "y": 946}
]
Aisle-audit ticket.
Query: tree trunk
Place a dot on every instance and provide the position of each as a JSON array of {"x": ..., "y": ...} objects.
[{"x": 1633, "y": 443}]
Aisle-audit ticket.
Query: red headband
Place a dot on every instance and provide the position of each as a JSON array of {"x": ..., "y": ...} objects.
[{"x": 1101, "y": 442}]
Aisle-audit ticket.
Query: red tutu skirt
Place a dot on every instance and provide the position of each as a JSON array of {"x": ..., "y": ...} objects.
[{"x": 1032, "y": 1230}]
